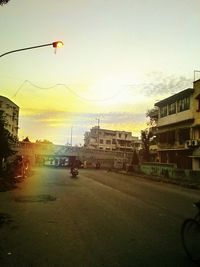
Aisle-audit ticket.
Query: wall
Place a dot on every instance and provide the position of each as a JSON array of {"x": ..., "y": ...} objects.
[
  {"x": 170, "y": 172},
  {"x": 158, "y": 169}
]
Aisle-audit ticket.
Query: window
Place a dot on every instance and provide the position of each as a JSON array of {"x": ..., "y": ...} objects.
[
  {"x": 183, "y": 104},
  {"x": 101, "y": 141},
  {"x": 120, "y": 135},
  {"x": 198, "y": 105},
  {"x": 171, "y": 137},
  {"x": 183, "y": 135},
  {"x": 172, "y": 108},
  {"x": 167, "y": 137},
  {"x": 108, "y": 142},
  {"x": 163, "y": 111}
]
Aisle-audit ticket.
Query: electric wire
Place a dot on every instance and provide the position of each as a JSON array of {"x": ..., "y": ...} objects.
[{"x": 69, "y": 89}]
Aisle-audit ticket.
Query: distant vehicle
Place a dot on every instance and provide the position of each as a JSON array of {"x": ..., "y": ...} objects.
[
  {"x": 49, "y": 162},
  {"x": 74, "y": 172},
  {"x": 81, "y": 165}
]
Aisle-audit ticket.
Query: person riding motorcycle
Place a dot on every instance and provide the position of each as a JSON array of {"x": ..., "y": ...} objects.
[{"x": 74, "y": 165}]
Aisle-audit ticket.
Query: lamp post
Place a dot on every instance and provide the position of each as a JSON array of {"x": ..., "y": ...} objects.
[{"x": 56, "y": 44}]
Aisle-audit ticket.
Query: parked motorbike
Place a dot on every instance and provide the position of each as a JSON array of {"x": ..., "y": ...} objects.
[{"x": 74, "y": 172}]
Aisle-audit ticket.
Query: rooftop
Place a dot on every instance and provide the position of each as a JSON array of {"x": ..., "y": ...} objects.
[
  {"x": 8, "y": 100},
  {"x": 175, "y": 97}
]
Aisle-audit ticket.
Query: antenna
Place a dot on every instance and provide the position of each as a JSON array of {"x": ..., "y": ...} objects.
[{"x": 195, "y": 73}]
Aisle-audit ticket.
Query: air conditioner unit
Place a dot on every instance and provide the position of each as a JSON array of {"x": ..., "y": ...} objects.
[
  {"x": 195, "y": 142},
  {"x": 188, "y": 143}
]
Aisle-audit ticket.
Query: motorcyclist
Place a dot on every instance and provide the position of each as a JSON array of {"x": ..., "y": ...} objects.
[{"x": 74, "y": 165}]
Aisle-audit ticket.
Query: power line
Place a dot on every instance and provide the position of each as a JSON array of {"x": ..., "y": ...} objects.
[{"x": 69, "y": 89}]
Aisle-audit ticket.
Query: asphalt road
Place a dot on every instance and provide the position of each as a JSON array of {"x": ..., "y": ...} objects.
[{"x": 101, "y": 219}]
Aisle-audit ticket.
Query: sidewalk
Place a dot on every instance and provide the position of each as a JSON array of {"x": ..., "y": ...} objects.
[{"x": 177, "y": 181}]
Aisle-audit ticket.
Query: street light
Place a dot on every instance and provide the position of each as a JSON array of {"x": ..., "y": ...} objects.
[{"x": 56, "y": 44}]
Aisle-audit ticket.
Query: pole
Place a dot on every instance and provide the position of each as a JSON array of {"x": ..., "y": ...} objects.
[
  {"x": 195, "y": 73},
  {"x": 54, "y": 44},
  {"x": 98, "y": 120},
  {"x": 26, "y": 48},
  {"x": 71, "y": 136}
]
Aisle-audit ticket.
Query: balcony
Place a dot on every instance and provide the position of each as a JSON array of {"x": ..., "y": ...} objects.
[{"x": 175, "y": 118}]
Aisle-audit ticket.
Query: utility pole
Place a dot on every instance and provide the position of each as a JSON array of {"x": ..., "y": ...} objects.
[
  {"x": 71, "y": 136},
  {"x": 98, "y": 121}
]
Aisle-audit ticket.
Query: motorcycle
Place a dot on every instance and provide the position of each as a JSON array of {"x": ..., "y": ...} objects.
[{"x": 74, "y": 172}]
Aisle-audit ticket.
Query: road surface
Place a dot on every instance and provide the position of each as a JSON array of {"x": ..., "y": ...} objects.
[{"x": 101, "y": 219}]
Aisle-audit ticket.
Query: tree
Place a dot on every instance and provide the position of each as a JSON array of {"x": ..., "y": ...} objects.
[
  {"x": 153, "y": 116},
  {"x": 146, "y": 136},
  {"x": 26, "y": 140},
  {"x": 135, "y": 159},
  {"x": 3, "y": 2},
  {"x": 6, "y": 142}
]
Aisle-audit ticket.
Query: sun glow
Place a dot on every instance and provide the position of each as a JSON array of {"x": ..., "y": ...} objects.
[{"x": 109, "y": 90}]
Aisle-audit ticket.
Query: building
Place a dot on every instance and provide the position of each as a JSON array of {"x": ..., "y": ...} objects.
[
  {"x": 10, "y": 113},
  {"x": 110, "y": 140},
  {"x": 178, "y": 128}
]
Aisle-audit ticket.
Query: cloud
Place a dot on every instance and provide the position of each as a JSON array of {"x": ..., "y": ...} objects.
[
  {"x": 127, "y": 112},
  {"x": 56, "y": 126},
  {"x": 159, "y": 84}
]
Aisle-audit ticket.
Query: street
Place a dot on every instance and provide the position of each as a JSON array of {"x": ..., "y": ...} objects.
[{"x": 99, "y": 219}]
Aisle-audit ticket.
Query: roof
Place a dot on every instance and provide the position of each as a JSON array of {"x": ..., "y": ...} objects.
[
  {"x": 174, "y": 98},
  {"x": 8, "y": 100},
  {"x": 197, "y": 81}
]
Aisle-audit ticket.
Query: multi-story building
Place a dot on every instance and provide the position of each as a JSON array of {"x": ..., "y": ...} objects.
[
  {"x": 178, "y": 128},
  {"x": 10, "y": 113},
  {"x": 104, "y": 139}
]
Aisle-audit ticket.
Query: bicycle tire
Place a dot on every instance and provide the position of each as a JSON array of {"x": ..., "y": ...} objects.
[{"x": 190, "y": 236}]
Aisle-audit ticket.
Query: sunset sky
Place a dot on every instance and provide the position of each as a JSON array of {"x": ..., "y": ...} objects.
[{"x": 119, "y": 58}]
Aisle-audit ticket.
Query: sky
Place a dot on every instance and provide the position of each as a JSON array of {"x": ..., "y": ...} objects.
[{"x": 119, "y": 58}]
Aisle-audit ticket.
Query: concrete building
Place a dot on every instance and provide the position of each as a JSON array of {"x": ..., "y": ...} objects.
[
  {"x": 10, "y": 113},
  {"x": 110, "y": 140},
  {"x": 178, "y": 128}
]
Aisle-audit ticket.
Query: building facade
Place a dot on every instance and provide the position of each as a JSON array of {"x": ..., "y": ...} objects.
[
  {"x": 10, "y": 112},
  {"x": 178, "y": 128},
  {"x": 110, "y": 140}
]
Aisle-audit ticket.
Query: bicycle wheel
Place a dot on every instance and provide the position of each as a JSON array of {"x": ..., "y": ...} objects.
[{"x": 190, "y": 235}]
